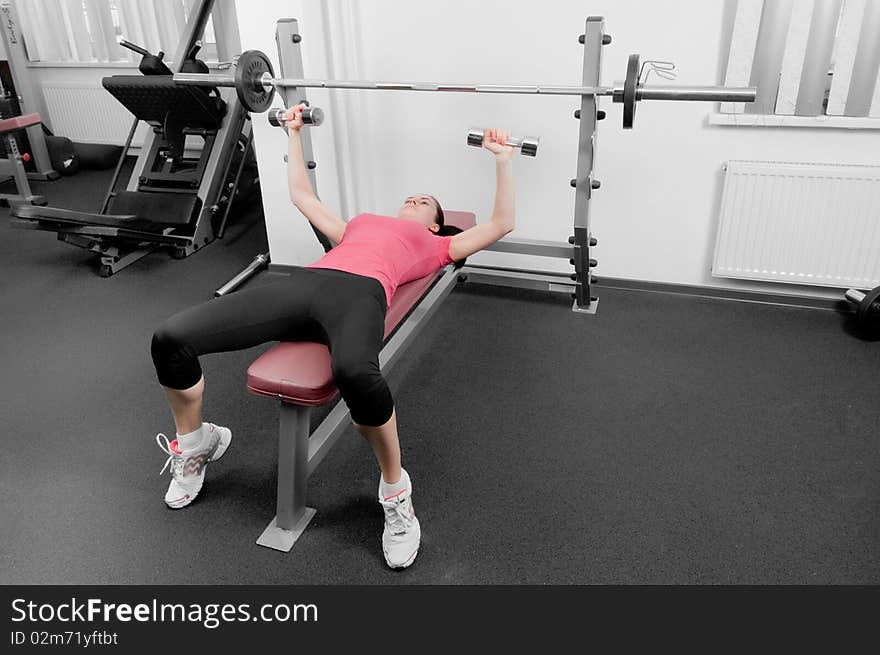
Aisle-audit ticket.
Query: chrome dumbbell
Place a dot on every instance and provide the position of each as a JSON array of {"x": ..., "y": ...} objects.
[
  {"x": 311, "y": 116},
  {"x": 527, "y": 146}
]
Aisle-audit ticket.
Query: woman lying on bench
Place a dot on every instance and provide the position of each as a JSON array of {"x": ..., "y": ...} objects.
[{"x": 340, "y": 301}]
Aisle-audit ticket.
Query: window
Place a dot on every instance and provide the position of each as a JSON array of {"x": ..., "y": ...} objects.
[
  {"x": 88, "y": 31},
  {"x": 808, "y": 59}
]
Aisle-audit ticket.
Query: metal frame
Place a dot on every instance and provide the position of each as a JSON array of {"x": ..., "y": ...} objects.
[
  {"x": 629, "y": 93},
  {"x": 234, "y": 125},
  {"x": 295, "y": 461},
  {"x": 195, "y": 26},
  {"x": 114, "y": 258},
  {"x": 584, "y": 183},
  {"x": 287, "y": 40},
  {"x": 13, "y": 167}
]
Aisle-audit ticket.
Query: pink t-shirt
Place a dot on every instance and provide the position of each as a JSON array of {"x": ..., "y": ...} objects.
[{"x": 391, "y": 250}]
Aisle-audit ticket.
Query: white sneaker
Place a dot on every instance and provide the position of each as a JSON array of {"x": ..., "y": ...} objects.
[
  {"x": 402, "y": 534},
  {"x": 188, "y": 467}
]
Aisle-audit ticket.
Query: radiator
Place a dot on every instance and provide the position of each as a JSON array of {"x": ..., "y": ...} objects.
[
  {"x": 815, "y": 224},
  {"x": 89, "y": 114}
]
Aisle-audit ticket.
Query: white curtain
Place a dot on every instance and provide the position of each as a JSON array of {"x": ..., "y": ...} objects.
[
  {"x": 102, "y": 31},
  {"x": 88, "y": 30},
  {"x": 811, "y": 57},
  {"x": 153, "y": 24},
  {"x": 48, "y": 42},
  {"x": 77, "y": 30}
]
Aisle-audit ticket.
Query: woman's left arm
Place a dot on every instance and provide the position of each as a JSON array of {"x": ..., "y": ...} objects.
[
  {"x": 503, "y": 214},
  {"x": 464, "y": 244}
]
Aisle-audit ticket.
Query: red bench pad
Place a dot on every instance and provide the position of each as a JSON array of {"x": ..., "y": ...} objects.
[{"x": 18, "y": 122}]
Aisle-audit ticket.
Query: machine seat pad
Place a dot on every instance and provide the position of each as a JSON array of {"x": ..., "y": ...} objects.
[
  {"x": 70, "y": 217},
  {"x": 131, "y": 210}
]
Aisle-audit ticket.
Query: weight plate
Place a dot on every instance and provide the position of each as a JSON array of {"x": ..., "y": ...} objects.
[
  {"x": 869, "y": 313},
  {"x": 629, "y": 92},
  {"x": 249, "y": 70}
]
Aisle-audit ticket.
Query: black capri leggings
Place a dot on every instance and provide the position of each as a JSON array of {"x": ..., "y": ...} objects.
[{"x": 342, "y": 310}]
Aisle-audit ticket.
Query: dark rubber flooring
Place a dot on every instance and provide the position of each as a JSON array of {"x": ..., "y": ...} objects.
[{"x": 669, "y": 439}]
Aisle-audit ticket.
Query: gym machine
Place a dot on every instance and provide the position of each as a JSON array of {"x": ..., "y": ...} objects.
[
  {"x": 171, "y": 201},
  {"x": 255, "y": 85}
]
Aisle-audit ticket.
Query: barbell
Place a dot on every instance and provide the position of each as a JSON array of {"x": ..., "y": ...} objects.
[
  {"x": 255, "y": 85},
  {"x": 867, "y": 311}
]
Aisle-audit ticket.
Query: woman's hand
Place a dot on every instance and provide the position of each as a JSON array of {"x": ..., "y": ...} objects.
[
  {"x": 494, "y": 140},
  {"x": 293, "y": 116}
]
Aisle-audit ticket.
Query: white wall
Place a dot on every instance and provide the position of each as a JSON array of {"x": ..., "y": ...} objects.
[{"x": 655, "y": 215}]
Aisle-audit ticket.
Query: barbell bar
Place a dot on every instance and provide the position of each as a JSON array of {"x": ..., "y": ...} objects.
[
  {"x": 267, "y": 83},
  {"x": 255, "y": 84}
]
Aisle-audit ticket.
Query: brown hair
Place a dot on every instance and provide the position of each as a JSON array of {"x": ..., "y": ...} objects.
[{"x": 440, "y": 218}]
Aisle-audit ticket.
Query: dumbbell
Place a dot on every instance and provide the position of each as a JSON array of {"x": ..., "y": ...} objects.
[
  {"x": 528, "y": 145},
  {"x": 868, "y": 311},
  {"x": 311, "y": 116}
]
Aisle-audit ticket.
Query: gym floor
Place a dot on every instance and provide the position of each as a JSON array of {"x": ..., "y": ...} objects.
[{"x": 668, "y": 439}]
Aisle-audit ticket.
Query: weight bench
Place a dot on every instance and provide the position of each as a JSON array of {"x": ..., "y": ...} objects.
[{"x": 299, "y": 375}]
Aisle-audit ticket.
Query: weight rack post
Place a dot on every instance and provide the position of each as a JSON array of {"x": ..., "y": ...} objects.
[
  {"x": 292, "y": 515},
  {"x": 288, "y": 40},
  {"x": 594, "y": 37}
]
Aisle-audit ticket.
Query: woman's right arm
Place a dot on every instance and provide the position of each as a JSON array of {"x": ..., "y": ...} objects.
[{"x": 301, "y": 192}]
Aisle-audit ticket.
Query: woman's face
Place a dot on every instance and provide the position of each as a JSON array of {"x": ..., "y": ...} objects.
[{"x": 422, "y": 208}]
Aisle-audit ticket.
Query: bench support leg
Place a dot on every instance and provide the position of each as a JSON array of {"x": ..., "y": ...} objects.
[{"x": 292, "y": 515}]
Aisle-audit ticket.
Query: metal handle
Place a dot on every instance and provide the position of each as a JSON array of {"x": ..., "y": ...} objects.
[
  {"x": 854, "y": 295},
  {"x": 698, "y": 93},
  {"x": 259, "y": 262},
  {"x": 131, "y": 46},
  {"x": 204, "y": 79}
]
